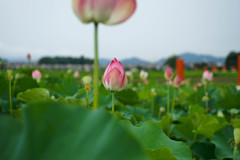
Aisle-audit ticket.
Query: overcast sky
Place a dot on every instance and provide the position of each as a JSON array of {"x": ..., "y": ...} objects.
[{"x": 158, "y": 29}]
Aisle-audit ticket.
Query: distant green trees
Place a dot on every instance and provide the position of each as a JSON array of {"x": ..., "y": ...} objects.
[
  {"x": 171, "y": 61},
  {"x": 65, "y": 60},
  {"x": 232, "y": 59}
]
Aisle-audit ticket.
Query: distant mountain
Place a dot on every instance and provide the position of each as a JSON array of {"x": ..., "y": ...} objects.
[
  {"x": 104, "y": 61},
  {"x": 194, "y": 58},
  {"x": 134, "y": 61},
  {"x": 127, "y": 61}
]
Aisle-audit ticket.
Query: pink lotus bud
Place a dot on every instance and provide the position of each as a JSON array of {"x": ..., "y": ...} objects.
[
  {"x": 76, "y": 74},
  {"x": 36, "y": 74},
  {"x": 168, "y": 73},
  {"x": 143, "y": 75},
  {"x": 177, "y": 81},
  {"x": 114, "y": 78},
  {"x": 207, "y": 75},
  {"x": 104, "y": 11}
]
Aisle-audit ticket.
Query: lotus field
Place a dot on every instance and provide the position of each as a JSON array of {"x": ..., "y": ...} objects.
[
  {"x": 118, "y": 113},
  {"x": 50, "y": 115}
]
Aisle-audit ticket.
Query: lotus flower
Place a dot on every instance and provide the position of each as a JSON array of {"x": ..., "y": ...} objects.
[
  {"x": 114, "y": 78},
  {"x": 177, "y": 81},
  {"x": 143, "y": 75},
  {"x": 36, "y": 74},
  {"x": 76, "y": 74},
  {"x": 104, "y": 11},
  {"x": 168, "y": 73},
  {"x": 207, "y": 75}
]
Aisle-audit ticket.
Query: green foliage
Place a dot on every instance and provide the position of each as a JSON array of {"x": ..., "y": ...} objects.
[
  {"x": 171, "y": 61},
  {"x": 223, "y": 140},
  {"x": 231, "y": 59},
  {"x": 65, "y": 60},
  {"x": 155, "y": 142},
  {"x": 34, "y": 95},
  {"x": 54, "y": 131}
]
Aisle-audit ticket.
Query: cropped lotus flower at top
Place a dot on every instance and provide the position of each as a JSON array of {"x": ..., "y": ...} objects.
[
  {"x": 104, "y": 11},
  {"x": 168, "y": 75},
  {"x": 36, "y": 74},
  {"x": 114, "y": 78},
  {"x": 207, "y": 75}
]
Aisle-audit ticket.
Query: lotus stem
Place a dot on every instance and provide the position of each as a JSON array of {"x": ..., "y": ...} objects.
[
  {"x": 95, "y": 93},
  {"x": 112, "y": 102}
]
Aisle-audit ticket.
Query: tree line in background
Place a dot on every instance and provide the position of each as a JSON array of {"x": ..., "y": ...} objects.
[{"x": 65, "y": 60}]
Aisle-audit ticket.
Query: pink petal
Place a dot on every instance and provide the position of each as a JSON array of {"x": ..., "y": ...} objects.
[
  {"x": 122, "y": 11},
  {"x": 103, "y": 9},
  {"x": 83, "y": 9},
  {"x": 115, "y": 80}
]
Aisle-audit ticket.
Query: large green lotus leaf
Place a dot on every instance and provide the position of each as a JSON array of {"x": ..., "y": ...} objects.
[
  {"x": 34, "y": 95},
  {"x": 127, "y": 96},
  {"x": 160, "y": 154},
  {"x": 68, "y": 87},
  {"x": 54, "y": 131},
  {"x": 196, "y": 108},
  {"x": 25, "y": 83},
  {"x": 204, "y": 150},
  {"x": 184, "y": 130},
  {"x": 205, "y": 125},
  {"x": 223, "y": 140},
  {"x": 229, "y": 101},
  {"x": 73, "y": 101},
  {"x": 152, "y": 138}
]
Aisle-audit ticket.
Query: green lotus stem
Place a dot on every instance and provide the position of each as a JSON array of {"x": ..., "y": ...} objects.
[
  {"x": 152, "y": 103},
  {"x": 112, "y": 102},
  {"x": 87, "y": 98},
  {"x": 173, "y": 102},
  {"x": 206, "y": 106},
  {"x": 10, "y": 96},
  {"x": 95, "y": 93},
  {"x": 235, "y": 152},
  {"x": 168, "y": 102}
]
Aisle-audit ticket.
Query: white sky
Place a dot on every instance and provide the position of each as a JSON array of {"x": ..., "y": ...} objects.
[{"x": 159, "y": 28}]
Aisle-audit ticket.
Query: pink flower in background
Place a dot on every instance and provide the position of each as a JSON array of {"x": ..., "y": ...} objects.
[
  {"x": 207, "y": 75},
  {"x": 168, "y": 73},
  {"x": 104, "y": 11},
  {"x": 129, "y": 73},
  {"x": 114, "y": 78},
  {"x": 143, "y": 75},
  {"x": 36, "y": 74},
  {"x": 76, "y": 74},
  {"x": 177, "y": 81}
]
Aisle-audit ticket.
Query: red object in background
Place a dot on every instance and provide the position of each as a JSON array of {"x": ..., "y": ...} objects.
[
  {"x": 224, "y": 69},
  {"x": 196, "y": 68},
  {"x": 214, "y": 69},
  {"x": 239, "y": 70},
  {"x": 180, "y": 68},
  {"x": 233, "y": 69},
  {"x": 28, "y": 56},
  {"x": 205, "y": 68}
]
